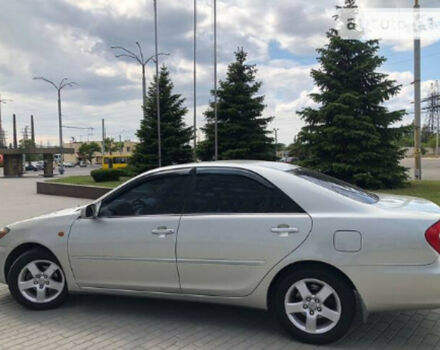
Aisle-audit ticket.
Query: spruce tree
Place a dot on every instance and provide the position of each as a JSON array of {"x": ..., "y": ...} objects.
[
  {"x": 175, "y": 135},
  {"x": 350, "y": 135},
  {"x": 242, "y": 132}
]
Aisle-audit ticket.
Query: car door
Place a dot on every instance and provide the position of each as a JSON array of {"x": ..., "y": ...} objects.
[
  {"x": 131, "y": 244},
  {"x": 236, "y": 226}
]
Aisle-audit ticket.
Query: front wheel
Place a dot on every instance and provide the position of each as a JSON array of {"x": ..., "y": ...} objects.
[
  {"x": 37, "y": 281},
  {"x": 316, "y": 306}
]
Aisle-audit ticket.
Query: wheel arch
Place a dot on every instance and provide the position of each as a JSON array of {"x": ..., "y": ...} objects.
[
  {"x": 19, "y": 250},
  {"x": 317, "y": 264}
]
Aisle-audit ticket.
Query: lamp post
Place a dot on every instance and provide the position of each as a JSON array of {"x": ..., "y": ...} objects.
[
  {"x": 2, "y": 132},
  {"x": 275, "y": 130},
  {"x": 215, "y": 84},
  {"x": 195, "y": 81},
  {"x": 63, "y": 83},
  {"x": 142, "y": 62},
  {"x": 159, "y": 143},
  {"x": 417, "y": 98}
]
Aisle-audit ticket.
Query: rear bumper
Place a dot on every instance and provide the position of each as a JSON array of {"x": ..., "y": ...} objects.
[{"x": 397, "y": 287}]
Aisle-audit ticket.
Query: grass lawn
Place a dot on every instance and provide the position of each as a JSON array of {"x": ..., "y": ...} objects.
[
  {"x": 88, "y": 180},
  {"x": 423, "y": 189}
]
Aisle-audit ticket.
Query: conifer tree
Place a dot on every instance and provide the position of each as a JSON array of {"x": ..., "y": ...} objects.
[
  {"x": 351, "y": 135},
  {"x": 242, "y": 131},
  {"x": 175, "y": 135}
]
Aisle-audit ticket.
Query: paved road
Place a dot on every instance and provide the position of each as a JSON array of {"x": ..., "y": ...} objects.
[
  {"x": 430, "y": 168},
  {"x": 107, "y": 322}
]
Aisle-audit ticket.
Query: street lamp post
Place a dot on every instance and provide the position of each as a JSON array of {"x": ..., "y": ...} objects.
[
  {"x": 417, "y": 98},
  {"x": 215, "y": 85},
  {"x": 2, "y": 131},
  {"x": 143, "y": 62},
  {"x": 63, "y": 83},
  {"x": 159, "y": 143},
  {"x": 275, "y": 130}
]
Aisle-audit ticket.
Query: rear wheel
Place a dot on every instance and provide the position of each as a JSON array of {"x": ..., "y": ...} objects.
[
  {"x": 37, "y": 281},
  {"x": 315, "y": 306}
]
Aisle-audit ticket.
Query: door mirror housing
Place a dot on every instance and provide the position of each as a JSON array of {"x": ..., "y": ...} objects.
[{"x": 90, "y": 211}]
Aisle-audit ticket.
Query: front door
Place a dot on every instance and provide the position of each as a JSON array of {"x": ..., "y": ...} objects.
[
  {"x": 236, "y": 226},
  {"x": 131, "y": 245}
]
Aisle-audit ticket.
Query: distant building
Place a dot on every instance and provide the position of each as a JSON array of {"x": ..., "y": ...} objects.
[{"x": 76, "y": 157}]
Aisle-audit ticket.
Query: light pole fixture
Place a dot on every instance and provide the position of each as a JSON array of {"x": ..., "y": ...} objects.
[
  {"x": 142, "y": 61},
  {"x": 63, "y": 83}
]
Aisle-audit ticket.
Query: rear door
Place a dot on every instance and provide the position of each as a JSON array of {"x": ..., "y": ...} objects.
[{"x": 236, "y": 226}]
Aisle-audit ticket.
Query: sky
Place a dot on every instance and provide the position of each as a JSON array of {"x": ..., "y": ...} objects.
[{"x": 73, "y": 39}]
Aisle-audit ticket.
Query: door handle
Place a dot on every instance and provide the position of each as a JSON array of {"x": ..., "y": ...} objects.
[
  {"x": 283, "y": 231},
  {"x": 162, "y": 231}
]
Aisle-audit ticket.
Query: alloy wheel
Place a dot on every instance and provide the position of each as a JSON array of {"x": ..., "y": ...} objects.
[
  {"x": 41, "y": 281},
  {"x": 313, "y": 306}
]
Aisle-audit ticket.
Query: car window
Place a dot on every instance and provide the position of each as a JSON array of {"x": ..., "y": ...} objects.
[
  {"x": 156, "y": 195},
  {"x": 336, "y": 185},
  {"x": 224, "y": 191}
]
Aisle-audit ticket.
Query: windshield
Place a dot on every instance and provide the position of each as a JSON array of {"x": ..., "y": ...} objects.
[{"x": 336, "y": 185}]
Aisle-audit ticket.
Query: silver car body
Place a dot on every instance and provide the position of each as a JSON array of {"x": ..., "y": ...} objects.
[{"x": 233, "y": 259}]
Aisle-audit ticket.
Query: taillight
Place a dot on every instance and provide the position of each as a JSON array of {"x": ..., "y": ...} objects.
[{"x": 432, "y": 235}]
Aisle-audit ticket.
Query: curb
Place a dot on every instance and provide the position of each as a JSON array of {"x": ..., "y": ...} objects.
[{"x": 68, "y": 190}]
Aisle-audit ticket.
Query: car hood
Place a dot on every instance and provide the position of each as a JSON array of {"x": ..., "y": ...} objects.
[
  {"x": 59, "y": 214},
  {"x": 414, "y": 204}
]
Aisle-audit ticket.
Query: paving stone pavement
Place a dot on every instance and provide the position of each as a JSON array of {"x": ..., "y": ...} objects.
[{"x": 113, "y": 322}]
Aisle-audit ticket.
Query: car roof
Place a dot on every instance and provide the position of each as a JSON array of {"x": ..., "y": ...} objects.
[{"x": 245, "y": 164}]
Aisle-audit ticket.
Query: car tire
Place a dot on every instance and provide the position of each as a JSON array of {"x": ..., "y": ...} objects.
[
  {"x": 37, "y": 281},
  {"x": 314, "y": 305}
]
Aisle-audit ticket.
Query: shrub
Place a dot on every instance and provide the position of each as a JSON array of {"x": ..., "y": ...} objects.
[
  {"x": 127, "y": 172},
  {"x": 102, "y": 175}
]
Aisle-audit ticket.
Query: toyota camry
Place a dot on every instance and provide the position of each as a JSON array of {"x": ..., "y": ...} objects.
[{"x": 311, "y": 249}]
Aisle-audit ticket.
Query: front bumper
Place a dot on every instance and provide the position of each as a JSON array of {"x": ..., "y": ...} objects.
[{"x": 397, "y": 287}]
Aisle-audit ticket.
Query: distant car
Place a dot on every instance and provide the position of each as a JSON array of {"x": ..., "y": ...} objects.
[
  {"x": 68, "y": 164},
  {"x": 312, "y": 249},
  {"x": 83, "y": 164},
  {"x": 30, "y": 167}
]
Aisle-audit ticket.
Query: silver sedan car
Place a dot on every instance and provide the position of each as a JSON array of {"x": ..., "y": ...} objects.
[{"x": 311, "y": 249}]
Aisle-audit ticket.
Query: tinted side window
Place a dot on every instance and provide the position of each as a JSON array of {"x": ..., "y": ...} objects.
[
  {"x": 156, "y": 195},
  {"x": 223, "y": 192}
]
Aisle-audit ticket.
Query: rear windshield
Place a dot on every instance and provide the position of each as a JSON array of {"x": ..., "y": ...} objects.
[{"x": 336, "y": 185}]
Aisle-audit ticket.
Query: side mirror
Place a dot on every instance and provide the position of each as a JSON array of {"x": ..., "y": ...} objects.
[{"x": 90, "y": 211}]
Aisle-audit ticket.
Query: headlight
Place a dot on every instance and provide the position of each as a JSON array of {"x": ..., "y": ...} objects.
[{"x": 4, "y": 231}]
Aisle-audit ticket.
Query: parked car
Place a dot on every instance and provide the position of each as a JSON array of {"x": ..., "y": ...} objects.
[
  {"x": 68, "y": 164},
  {"x": 311, "y": 249},
  {"x": 30, "y": 167},
  {"x": 83, "y": 164}
]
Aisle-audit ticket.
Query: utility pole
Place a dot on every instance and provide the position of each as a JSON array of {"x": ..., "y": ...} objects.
[
  {"x": 215, "y": 84},
  {"x": 417, "y": 96},
  {"x": 275, "y": 130},
  {"x": 195, "y": 82},
  {"x": 159, "y": 146},
  {"x": 143, "y": 62},
  {"x": 63, "y": 83},
  {"x": 103, "y": 139},
  {"x": 14, "y": 131},
  {"x": 2, "y": 131},
  {"x": 32, "y": 130}
]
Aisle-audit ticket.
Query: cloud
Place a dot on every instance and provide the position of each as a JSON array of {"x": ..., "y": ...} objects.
[{"x": 72, "y": 38}]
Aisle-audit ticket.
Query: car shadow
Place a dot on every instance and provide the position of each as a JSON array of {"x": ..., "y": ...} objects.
[{"x": 199, "y": 324}]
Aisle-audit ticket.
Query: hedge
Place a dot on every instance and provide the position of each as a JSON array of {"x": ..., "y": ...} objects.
[{"x": 102, "y": 175}]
